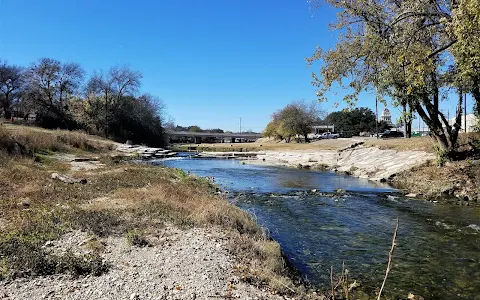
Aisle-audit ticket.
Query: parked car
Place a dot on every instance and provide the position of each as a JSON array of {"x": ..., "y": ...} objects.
[
  {"x": 390, "y": 134},
  {"x": 365, "y": 133},
  {"x": 329, "y": 135}
]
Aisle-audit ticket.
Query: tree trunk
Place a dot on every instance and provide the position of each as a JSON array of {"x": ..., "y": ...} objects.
[
  {"x": 6, "y": 106},
  {"x": 6, "y": 111},
  {"x": 476, "y": 96},
  {"x": 408, "y": 122},
  {"x": 408, "y": 130},
  {"x": 444, "y": 134},
  {"x": 106, "y": 119},
  {"x": 404, "y": 117},
  {"x": 305, "y": 134}
]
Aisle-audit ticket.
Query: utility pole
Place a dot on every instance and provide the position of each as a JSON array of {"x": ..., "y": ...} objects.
[
  {"x": 240, "y": 125},
  {"x": 465, "y": 114},
  {"x": 419, "y": 120},
  {"x": 376, "y": 111}
]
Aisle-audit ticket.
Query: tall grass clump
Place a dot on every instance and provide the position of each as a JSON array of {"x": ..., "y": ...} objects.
[{"x": 18, "y": 140}]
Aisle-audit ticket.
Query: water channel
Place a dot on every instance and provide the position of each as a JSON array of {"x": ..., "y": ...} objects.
[{"x": 438, "y": 245}]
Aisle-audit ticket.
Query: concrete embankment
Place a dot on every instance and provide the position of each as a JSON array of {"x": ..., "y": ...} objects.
[{"x": 365, "y": 162}]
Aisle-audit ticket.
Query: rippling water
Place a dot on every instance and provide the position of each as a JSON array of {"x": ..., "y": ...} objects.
[{"x": 438, "y": 246}]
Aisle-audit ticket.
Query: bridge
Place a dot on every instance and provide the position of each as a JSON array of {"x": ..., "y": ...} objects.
[{"x": 198, "y": 137}]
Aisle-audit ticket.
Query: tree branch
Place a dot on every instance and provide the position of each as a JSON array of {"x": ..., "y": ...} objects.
[{"x": 390, "y": 257}]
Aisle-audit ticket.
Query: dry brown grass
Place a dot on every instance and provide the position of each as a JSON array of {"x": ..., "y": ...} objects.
[
  {"x": 465, "y": 139},
  {"x": 116, "y": 200},
  {"x": 419, "y": 143},
  {"x": 412, "y": 144},
  {"x": 23, "y": 140},
  {"x": 435, "y": 182},
  {"x": 272, "y": 146}
]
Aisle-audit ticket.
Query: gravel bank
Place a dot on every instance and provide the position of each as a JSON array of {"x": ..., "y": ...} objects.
[{"x": 180, "y": 264}]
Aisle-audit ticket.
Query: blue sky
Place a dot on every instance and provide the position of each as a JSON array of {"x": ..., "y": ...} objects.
[{"x": 212, "y": 62}]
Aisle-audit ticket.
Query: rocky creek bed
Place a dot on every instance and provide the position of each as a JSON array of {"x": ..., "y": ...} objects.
[
  {"x": 323, "y": 219},
  {"x": 414, "y": 172}
]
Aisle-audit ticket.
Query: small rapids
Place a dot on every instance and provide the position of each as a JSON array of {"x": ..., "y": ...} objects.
[{"x": 324, "y": 219}]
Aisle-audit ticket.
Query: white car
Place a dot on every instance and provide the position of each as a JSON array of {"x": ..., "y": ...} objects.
[{"x": 329, "y": 135}]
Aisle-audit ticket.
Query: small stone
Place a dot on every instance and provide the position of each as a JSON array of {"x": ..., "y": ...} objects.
[
  {"x": 134, "y": 296},
  {"x": 25, "y": 202},
  {"x": 411, "y": 195}
]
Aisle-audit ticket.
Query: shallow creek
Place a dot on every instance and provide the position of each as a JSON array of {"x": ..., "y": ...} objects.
[{"x": 438, "y": 245}]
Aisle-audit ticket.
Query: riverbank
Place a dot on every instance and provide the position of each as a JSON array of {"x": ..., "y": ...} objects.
[
  {"x": 373, "y": 159},
  {"x": 364, "y": 162},
  {"x": 355, "y": 159},
  {"x": 409, "y": 165},
  {"x": 413, "y": 172},
  {"x": 111, "y": 229}
]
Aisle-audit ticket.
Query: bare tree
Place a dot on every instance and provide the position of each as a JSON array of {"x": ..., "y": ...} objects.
[
  {"x": 11, "y": 84},
  {"x": 111, "y": 87},
  {"x": 51, "y": 83}
]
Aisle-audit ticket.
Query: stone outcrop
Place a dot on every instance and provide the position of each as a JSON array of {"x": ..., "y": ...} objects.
[
  {"x": 360, "y": 161},
  {"x": 145, "y": 152}
]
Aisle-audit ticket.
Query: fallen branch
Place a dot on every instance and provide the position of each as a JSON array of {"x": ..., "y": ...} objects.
[
  {"x": 68, "y": 179},
  {"x": 291, "y": 290},
  {"x": 389, "y": 264},
  {"x": 331, "y": 282}
]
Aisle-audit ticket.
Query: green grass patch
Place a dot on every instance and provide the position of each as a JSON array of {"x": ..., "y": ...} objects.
[{"x": 136, "y": 238}]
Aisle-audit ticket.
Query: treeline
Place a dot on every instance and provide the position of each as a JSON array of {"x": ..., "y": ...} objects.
[
  {"x": 298, "y": 118},
  {"x": 412, "y": 52},
  {"x": 195, "y": 128},
  {"x": 60, "y": 96},
  {"x": 355, "y": 121}
]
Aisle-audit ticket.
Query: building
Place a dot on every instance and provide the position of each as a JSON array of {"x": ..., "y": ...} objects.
[
  {"x": 418, "y": 126},
  {"x": 318, "y": 129},
  {"x": 386, "y": 116},
  {"x": 472, "y": 122}
]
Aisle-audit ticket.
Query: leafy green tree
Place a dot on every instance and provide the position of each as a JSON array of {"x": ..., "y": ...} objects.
[
  {"x": 139, "y": 119},
  {"x": 397, "y": 48},
  {"x": 355, "y": 121},
  {"x": 465, "y": 27},
  {"x": 194, "y": 128},
  {"x": 214, "y": 130},
  {"x": 274, "y": 130},
  {"x": 294, "y": 119}
]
